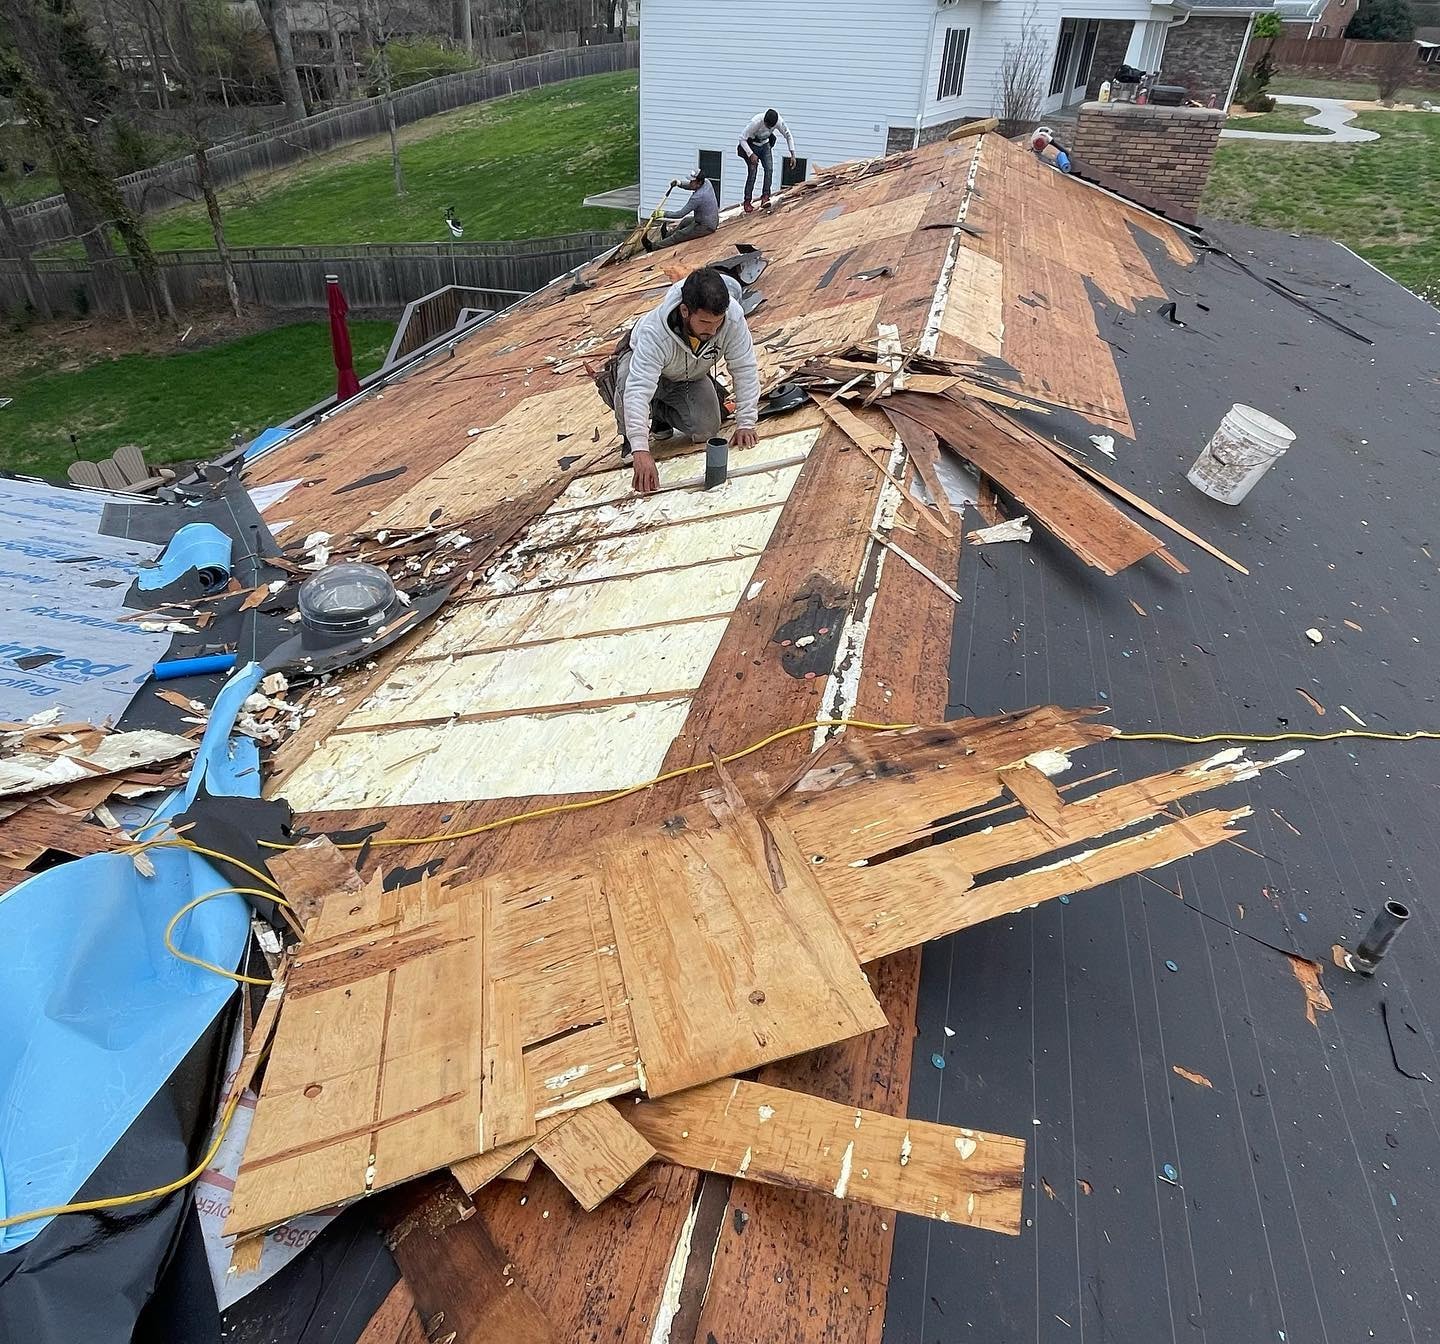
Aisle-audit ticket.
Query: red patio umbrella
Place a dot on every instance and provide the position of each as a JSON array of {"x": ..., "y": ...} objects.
[{"x": 347, "y": 384}]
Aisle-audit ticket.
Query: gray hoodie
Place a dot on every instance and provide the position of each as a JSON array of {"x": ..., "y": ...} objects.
[
  {"x": 657, "y": 352},
  {"x": 703, "y": 205}
]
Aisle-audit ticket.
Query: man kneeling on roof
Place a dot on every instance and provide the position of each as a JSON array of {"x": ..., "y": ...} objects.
[
  {"x": 699, "y": 215},
  {"x": 663, "y": 373}
]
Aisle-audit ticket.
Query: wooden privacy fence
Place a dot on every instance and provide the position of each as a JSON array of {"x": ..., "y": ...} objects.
[
  {"x": 380, "y": 278},
  {"x": 166, "y": 184},
  {"x": 1338, "y": 53}
]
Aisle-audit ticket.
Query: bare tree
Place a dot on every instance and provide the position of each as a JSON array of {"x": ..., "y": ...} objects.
[
  {"x": 1397, "y": 64},
  {"x": 1020, "y": 91},
  {"x": 277, "y": 21},
  {"x": 29, "y": 276},
  {"x": 192, "y": 30},
  {"x": 340, "y": 72},
  {"x": 50, "y": 65}
]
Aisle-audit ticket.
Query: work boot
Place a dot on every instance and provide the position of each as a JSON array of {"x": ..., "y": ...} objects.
[
  {"x": 764, "y": 202},
  {"x": 646, "y": 243},
  {"x": 749, "y": 209}
]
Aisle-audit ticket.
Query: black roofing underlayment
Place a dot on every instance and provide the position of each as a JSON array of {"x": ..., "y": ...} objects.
[{"x": 1294, "y": 1198}]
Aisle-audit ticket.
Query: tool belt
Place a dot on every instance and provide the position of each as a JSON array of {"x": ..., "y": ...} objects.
[
  {"x": 610, "y": 370},
  {"x": 755, "y": 147}
]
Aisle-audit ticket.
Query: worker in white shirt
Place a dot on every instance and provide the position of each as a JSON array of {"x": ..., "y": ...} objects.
[{"x": 756, "y": 144}]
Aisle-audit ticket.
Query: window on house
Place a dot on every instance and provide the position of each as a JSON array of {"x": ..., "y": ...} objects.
[
  {"x": 790, "y": 176},
  {"x": 952, "y": 63},
  {"x": 1087, "y": 54},
  {"x": 1062, "y": 56},
  {"x": 709, "y": 163}
]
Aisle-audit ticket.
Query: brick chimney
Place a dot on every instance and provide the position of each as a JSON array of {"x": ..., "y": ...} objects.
[{"x": 1164, "y": 153}]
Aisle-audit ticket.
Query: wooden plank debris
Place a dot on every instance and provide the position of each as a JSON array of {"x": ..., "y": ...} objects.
[
  {"x": 1144, "y": 506},
  {"x": 671, "y": 954},
  {"x": 1073, "y": 512},
  {"x": 723, "y": 971},
  {"x": 594, "y": 1153},
  {"x": 786, "y": 1138},
  {"x": 877, "y": 448},
  {"x": 309, "y": 872}
]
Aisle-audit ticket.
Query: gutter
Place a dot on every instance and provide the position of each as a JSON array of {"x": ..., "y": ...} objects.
[
  {"x": 925, "y": 80},
  {"x": 1239, "y": 61}
]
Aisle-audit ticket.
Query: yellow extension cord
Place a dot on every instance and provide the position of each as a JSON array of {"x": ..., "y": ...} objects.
[{"x": 116, "y": 1201}]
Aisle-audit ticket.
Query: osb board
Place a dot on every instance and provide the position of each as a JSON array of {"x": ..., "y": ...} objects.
[
  {"x": 522, "y": 448},
  {"x": 368, "y": 1064},
  {"x": 975, "y": 310},
  {"x": 594, "y": 1153},
  {"x": 786, "y": 1138},
  {"x": 712, "y": 938}
]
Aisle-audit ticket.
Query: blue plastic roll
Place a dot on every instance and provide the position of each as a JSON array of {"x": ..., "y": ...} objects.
[
  {"x": 202, "y": 547},
  {"x": 194, "y": 667}
]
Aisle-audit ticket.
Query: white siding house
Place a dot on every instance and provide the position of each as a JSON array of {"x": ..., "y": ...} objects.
[{"x": 856, "y": 78}]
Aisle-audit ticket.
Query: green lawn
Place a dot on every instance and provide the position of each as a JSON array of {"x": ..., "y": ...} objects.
[
  {"x": 1382, "y": 198},
  {"x": 17, "y": 189},
  {"x": 177, "y": 407},
  {"x": 1355, "y": 90},
  {"x": 514, "y": 168},
  {"x": 1289, "y": 120}
]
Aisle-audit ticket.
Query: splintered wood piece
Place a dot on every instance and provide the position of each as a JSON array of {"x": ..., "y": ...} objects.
[
  {"x": 877, "y": 448},
  {"x": 786, "y": 1138},
  {"x": 1039, "y": 797},
  {"x": 924, "y": 450},
  {"x": 594, "y": 1153},
  {"x": 309, "y": 872},
  {"x": 1075, "y": 513},
  {"x": 723, "y": 971},
  {"x": 464, "y": 1287},
  {"x": 1144, "y": 506},
  {"x": 474, "y": 1173},
  {"x": 520, "y": 1169},
  {"x": 245, "y": 1254},
  {"x": 507, "y": 1111}
]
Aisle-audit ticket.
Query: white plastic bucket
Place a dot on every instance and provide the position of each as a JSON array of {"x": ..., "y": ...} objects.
[{"x": 1247, "y": 444}]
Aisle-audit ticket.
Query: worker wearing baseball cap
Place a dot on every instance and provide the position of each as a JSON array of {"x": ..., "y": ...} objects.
[{"x": 699, "y": 215}]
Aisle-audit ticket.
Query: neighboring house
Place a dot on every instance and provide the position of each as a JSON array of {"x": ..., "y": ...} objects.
[
  {"x": 855, "y": 79},
  {"x": 1428, "y": 40}
]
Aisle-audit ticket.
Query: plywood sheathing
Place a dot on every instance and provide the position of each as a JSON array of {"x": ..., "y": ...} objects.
[
  {"x": 1068, "y": 506},
  {"x": 671, "y": 955},
  {"x": 786, "y": 1138},
  {"x": 815, "y": 1245},
  {"x": 1050, "y": 237}
]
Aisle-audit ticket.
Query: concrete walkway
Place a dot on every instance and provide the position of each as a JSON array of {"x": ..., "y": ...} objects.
[{"x": 1332, "y": 116}]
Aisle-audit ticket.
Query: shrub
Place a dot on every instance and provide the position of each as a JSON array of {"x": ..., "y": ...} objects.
[
  {"x": 1260, "y": 102},
  {"x": 414, "y": 60}
]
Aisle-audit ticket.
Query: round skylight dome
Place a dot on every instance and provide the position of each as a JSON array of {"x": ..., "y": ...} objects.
[{"x": 346, "y": 599}]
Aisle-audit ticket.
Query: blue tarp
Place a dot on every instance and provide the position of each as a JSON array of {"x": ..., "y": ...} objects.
[
  {"x": 266, "y": 438},
  {"x": 97, "y": 1012}
]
